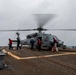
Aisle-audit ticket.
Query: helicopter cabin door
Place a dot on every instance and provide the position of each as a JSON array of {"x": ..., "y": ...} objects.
[
  {"x": 45, "y": 42},
  {"x": 40, "y": 38}
]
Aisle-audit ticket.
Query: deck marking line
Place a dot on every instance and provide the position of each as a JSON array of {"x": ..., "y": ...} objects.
[
  {"x": 32, "y": 57},
  {"x": 44, "y": 56},
  {"x": 11, "y": 54}
]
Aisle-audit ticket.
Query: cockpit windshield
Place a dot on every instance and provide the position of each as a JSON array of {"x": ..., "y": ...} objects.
[{"x": 56, "y": 38}]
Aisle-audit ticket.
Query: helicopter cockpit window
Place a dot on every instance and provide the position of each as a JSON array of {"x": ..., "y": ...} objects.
[{"x": 56, "y": 38}]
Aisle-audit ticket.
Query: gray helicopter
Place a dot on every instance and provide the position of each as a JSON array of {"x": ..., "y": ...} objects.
[{"x": 47, "y": 39}]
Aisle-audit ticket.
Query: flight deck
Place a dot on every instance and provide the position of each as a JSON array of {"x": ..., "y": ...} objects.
[{"x": 28, "y": 62}]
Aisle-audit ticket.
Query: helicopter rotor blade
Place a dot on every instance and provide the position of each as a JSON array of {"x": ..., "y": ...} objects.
[
  {"x": 18, "y": 30},
  {"x": 42, "y": 19},
  {"x": 62, "y": 29},
  {"x": 42, "y": 29}
]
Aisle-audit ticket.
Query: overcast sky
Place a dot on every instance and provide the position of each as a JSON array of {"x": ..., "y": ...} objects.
[{"x": 17, "y": 14}]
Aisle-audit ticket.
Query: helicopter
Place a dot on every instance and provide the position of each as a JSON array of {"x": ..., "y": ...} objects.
[{"x": 47, "y": 39}]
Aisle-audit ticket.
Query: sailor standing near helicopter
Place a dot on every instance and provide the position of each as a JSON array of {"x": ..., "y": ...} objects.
[
  {"x": 54, "y": 48},
  {"x": 10, "y": 44},
  {"x": 39, "y": 44},
  {"x": 18, "y": 41},
  {"x": 32, "y": 41}
]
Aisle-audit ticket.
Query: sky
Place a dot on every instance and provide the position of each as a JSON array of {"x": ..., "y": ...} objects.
[{"x": 18, "y": 14}]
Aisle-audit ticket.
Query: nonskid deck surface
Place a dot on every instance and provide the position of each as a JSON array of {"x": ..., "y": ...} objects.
[{"x": 28, "y": 62}]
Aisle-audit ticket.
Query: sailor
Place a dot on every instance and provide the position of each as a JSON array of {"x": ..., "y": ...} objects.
[
  {"x": 39, "y": 44},
  {"x": 54, "y": 48},
  {"x": 32, "y": 43},
  {"x": 18, "y": 43},
  {"x": 10, "y": 44}
]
